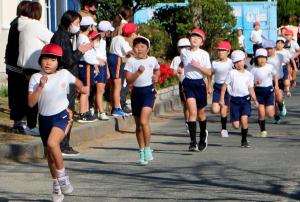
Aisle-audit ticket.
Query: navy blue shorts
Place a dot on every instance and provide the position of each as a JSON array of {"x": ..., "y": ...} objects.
[
  {"x": 115, "y": 66},
  {"x": 100, "y": 74},
  {"x": 239, "y": 106},
  {"x": 217, "y": 94},
  {"x": 195, "y": 88},
  {"x": 46, "y": 123},
  {"x": 86, "y": 73},
  {"x": 285, "y": 73},
  {"x": 142, "y": 97},
  {"x": 280, "y": 84},
  {"x": 265, "y": 95}
]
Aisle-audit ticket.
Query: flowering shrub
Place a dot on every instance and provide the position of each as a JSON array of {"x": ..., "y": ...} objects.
[{"x": 167, "y": 77}]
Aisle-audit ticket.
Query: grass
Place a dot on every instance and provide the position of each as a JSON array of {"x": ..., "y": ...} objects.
[{"x": 3, "y": 91}]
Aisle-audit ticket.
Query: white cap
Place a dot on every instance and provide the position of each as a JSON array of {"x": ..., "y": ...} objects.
[
  {"x": 144, "y": 38},
  {"x": 183, "y": 42},
  {"x": 281, "y": 39},
  {"x": 87, "y": 20},
  {"x": 237, "y": 55},
  {"x": 261, "y": 52},
  {"x": 105, "y": 26}
]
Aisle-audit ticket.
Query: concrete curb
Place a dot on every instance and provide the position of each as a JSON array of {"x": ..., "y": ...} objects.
[{"x": 167, "y": 101}]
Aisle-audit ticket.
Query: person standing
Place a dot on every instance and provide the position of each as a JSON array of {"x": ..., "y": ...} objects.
[
  {"x": 16, "y": 80},
  {"x": 33, "y": 36},
  {"x": 65, "y": 36}
]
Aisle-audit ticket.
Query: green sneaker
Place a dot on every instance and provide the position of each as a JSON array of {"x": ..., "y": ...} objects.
[
  {"x": 142, "y": 160},
  {"x": 283, "y": 112},
  {"x": 277, "y": 121},
  {"x": 148, "y": 154}
]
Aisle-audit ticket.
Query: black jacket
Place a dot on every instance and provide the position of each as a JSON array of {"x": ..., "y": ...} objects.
[
  {"x": 70, "y": 58},
  {"x": 12, "y": 46}
]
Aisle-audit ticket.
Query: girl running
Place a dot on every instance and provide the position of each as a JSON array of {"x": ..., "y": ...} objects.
[
  {"x": 49, "y": 89},
  {"x": 264, "y": 74},
  {"x": 220, "y": 69},
  {"x": 239, "y": 83}
]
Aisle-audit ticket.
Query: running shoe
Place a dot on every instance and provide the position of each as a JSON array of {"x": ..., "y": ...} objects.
[
  {"x": 148, "y": 154},
  {"x": 57, "y": 195},
  {"x": 193, "y": 147},
  {"x": 245, "y": 144},
  {"x": 263, "y": 134},
  {"x": 224, "y": 133},
  {"x": 142, "y": 160},
  {"x": 203, "y": 142},
  {"x": 116, "y": 112},
  {"x": 102, "y": 116},
  {"x": 86, "y": 118},
  {"x": 284, "y": 111},
  {"x": 70, "y": 152},
  {"x": 65, "y": 185}
]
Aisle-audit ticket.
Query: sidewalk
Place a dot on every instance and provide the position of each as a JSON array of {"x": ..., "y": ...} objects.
[{"x": 168, "y": 100}]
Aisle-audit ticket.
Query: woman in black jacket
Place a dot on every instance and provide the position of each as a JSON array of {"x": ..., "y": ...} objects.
[{"x": 65, "y": 36}]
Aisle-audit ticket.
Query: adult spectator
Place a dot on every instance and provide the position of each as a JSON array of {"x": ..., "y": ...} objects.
[
  {"x": 33, "y": 36},
  {"x": 65, "y": 36},
  {"x": 89, "y": 8},
  {"x": 17, "y": 89}
]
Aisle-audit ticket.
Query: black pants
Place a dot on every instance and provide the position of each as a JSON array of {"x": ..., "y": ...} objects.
[
  {"x": 65, "y": 143},
  {"x": 31, "y": 112},
  {"x": 255, "y": 47},
  {"x": 17, "y": 95},
  {"x": 124, "y": 92}
]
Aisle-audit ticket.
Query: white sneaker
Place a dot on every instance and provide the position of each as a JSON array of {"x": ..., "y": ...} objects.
[
  {"x": 102, "y": 116},
  {"x": 224, "y": 133},
  {"x": 65, "y": 185},
  {"x": 57, "y": 195},
  {"x": 32, "y": 131}
]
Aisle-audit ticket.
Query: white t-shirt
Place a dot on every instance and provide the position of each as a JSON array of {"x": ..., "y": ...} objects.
[
  {"x": 53, "y": 98},
  {"x": 200, "y": 56},
  {"x": 144, "y": 79},
  {"x": 256, "y": 36},
  {"x": 294, "y": 47},
  {"x": 241, "y": 41},
  {"x": 89, "y": 56},
  {"x": 221, "y": 70},
  {"x": 264, "y": 75},
  {"x": 101, "y": 50},
  {"x": 119, "y": 46},
  {"x": 238, "y": 83},
  {"x": 277, "y": 61},
  {"x": 175, "y": 65}
]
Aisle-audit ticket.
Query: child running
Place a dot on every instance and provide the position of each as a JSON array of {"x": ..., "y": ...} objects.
[
  {"x": 49, "y": 89},
  {"x": 264, "y": 74},
  {"x": 176, "y": 65},
  {"x": 239, "y": 83},
  {"x": 196, "y": 65},
  {"x": 220, "y": 69},
  {"x": 280, "y": 60},
  {"x": 143, "y": 71}
]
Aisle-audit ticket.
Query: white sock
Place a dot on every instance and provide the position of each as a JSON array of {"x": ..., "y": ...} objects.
[{"x": 61, "y": 173}]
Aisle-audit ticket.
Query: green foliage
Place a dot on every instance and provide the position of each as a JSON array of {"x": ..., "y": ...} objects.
[
  {"x": 107, "y": 10},
  {"x": 288, "y": 12},
  {"x": 176, "y": 21},
  {"x": 216, "y": 19},
  {"x": 3, "y": 91},
  {"x": 160, "y": 40}
]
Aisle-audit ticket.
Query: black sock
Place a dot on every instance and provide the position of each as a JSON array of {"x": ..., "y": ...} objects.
[
  {"x": 280, "y": 106},
  {"x": 202, "y": 125},
  {"x": 244, "y": 134},
  {"x": 224, "y": 122},
  {"x": 277, "y": 117},
  {"x": 192, "y": 129},
  {"x": 262, "y": 124}
]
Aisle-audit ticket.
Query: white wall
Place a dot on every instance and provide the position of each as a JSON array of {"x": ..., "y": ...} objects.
[{"x": 8, "y": 10}]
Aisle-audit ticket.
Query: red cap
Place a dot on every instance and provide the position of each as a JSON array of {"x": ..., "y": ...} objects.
[
  {"x": 224, "y": 45},
  {"x": 93, "y": 35},
  {"x": 52, "y": 49},
  {"x": 256, "y": 23},
  {"x": 198, "y": 32},
  {"x": 129, "y": 28},
  {"x": 288, "y": 32}
]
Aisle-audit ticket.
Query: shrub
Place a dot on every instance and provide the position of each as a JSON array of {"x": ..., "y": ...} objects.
[{"x": 3, "y": 91}]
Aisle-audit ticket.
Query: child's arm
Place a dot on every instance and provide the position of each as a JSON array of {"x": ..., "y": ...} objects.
[
  {"x": 295, "y": 56},
  {"x": 275, "y": 79},
  {"x": 81, "y": 88},
  {"x": 34, "y": 96},
  {"x": 223, "y": 90},
  {"x": 131, "y": 77},
  {"x": 253, "y": 96},
  {"x": 156, "y": 75},
  {"x": 204, "y": 70}
]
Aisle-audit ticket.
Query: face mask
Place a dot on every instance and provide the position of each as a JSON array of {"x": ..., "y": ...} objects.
[
  {"x": 93, "y": 12},
  {"x": 74, "y": 29}
]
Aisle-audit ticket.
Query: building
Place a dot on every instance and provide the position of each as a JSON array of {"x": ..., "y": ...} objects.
[{"x": 52, "y": 12}]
